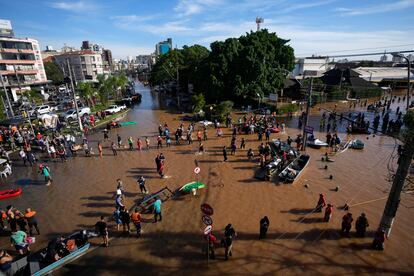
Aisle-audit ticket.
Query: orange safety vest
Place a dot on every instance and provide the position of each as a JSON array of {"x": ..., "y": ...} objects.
[
  {"x": 136, "y": 217},
  {"x": 30, "y": 214}
]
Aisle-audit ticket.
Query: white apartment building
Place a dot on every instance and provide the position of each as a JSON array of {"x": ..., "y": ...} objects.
[
  {"x": 86, "y": 65},
  {"x": 21, "y": 64}
]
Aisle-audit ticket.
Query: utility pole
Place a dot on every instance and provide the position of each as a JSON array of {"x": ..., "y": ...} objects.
[
  {"x": 7, "y": 97},
  {"x": 408, "y": 75},
  {"x": 178, "y": 89},
  {"x": 305, "y": 123},
  {"x": 408, "y": 82},
  {"x": 404, "y": 163},
  {"x": 4, "y": 104},
  {"x": 20, "y": 91},
  {"x": 74, "y": 96}
]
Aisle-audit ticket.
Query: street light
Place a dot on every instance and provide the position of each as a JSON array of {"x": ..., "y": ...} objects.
[
  {"x": 408, "y": 75},
  {"x": 258, "y": 95}
]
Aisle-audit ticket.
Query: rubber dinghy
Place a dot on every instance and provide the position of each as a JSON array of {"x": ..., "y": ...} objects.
[
  {"x": 127, "y": 123},
  {"x": 356, "y": 144},
  {"x": 187, "y": 188},
  {"x": 316, "y": 143},
  {"x": 10, "y": 193}
]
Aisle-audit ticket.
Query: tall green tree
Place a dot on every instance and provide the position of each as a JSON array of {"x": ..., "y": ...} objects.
[
  {"x": 121, "y": 82},
  {"x": 87, "y": 92},
  {"x": 53, "y": 72}
]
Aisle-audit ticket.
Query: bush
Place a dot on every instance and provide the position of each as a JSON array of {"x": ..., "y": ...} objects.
[{"x": 287, "y": 108}]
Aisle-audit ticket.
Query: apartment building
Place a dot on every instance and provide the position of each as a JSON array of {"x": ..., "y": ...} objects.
[
  {"x": 86, "y": 65},
  {"x": 21, "y": 64}
]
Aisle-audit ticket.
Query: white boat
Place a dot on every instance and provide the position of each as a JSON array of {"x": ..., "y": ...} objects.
[{"x": 315, "y": 142}]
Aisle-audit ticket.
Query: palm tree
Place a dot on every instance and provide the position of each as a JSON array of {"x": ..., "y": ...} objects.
[
  {"x": 87, "y": 92},
  {"x": 104, "y": 89},
  {"x": 121, "y": 82}
]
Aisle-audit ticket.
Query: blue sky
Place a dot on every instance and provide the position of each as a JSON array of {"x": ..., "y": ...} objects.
[{"x": 132, "y": 27}]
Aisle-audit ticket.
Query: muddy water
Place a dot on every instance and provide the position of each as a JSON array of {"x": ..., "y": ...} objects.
[{"x": 298, "y": 242}]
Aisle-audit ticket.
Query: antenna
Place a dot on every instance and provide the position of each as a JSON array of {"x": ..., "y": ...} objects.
[{"x": 259, "y": 20}]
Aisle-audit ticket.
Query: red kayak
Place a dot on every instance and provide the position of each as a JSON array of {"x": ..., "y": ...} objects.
[{"x": 10, "y": 193}]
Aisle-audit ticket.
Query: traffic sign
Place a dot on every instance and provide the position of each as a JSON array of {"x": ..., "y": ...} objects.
[
  {"x": 207, "y": 220},
  {"x": 206, "y": 209},
  {"x": 208, "y": 229},
  {"x": 197, "y": 170},
  {"x": 308, "y": 129}
]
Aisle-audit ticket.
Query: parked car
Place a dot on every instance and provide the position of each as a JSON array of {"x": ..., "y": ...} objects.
[
  {"x": 43, "y": 109},
  {"x": 71, "y": 113},
  {"x": 112, "y": 109}
]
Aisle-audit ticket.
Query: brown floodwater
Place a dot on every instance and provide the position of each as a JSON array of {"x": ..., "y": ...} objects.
[{"x": 298, "y": 241}]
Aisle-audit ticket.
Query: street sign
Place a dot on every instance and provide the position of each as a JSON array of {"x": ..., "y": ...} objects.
[
  {"x": 308, "y": 129},
  {"x": 197, "y": 170},
  {"x": 207, "y": 220},
  {"x": 206, "y": 209},
  {"x": 208, "y": 229}
]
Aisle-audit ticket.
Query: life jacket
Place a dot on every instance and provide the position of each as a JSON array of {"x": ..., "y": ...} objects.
[
  {"x": 71, "y": 245},
  {"x": 30, "y": 214},
  {"x": 136, "y": 217}
]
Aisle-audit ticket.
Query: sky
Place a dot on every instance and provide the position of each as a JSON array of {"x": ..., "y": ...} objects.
[{"x": 133, "y": 27}]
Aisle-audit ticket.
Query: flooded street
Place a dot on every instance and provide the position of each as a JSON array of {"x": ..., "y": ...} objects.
[{"x": 298, "y": 241}]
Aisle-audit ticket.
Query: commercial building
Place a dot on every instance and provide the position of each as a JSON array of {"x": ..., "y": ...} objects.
[
  {"x": 21, "y": 64},
  {"x": 86, "y": 65},
  {"x": 313, "y": 66},
  {"x": 163, "y": 47},
  {"x": 107, "y": 61}
]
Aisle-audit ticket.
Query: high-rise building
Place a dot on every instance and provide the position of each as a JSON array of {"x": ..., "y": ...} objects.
[
  {"x": 107, "y": 61},
  {"x": 86, "y": 65},
  {"x": 163, "y": 47},
  {"x": 6, "y": 29},
  {"x": 21, "y": 64}
]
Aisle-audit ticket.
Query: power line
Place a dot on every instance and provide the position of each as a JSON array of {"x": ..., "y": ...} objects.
[{"x": 361, "y": 49}]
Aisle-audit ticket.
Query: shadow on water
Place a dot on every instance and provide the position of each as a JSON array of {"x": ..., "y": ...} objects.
[
  {"x": 187, "y": 250},
  {"x": 27, "y": 182}
]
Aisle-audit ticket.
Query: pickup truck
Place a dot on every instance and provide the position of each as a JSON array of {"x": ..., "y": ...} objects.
[
  {"x": 71, "y": 113},
  {"x": 112, "y": 109}
]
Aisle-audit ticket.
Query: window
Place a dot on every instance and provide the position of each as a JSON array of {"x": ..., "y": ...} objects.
[
  {"x": 82, "y": 58},
  {"x": 93, "y": 59},
  {"x": 94, "y": 66},
  {"x": 83, "y": 66}
]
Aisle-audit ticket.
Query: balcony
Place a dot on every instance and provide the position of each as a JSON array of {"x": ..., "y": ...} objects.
[
  {"x": 17, "y": 61},
  {"x": 11, "y": 50},
  {"x": 20, "y": 72}
]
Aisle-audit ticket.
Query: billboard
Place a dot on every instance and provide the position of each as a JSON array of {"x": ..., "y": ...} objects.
[{"x": 6, "y": 28}]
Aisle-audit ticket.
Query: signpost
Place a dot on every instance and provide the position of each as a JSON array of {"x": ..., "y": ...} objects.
[
  {"x": 207, "y": 220},
  {"x": 208, "y": 229},
  {"x": 197, "y": 170},
  {"x": 308, "y": 129},
  {"x": 206, "y": 209}
]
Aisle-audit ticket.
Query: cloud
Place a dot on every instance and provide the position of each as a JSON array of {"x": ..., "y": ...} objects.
[
  {"x": 168, "y": 28},
  {"x": 79, "y": 6},
  {"x": 120, "y": 51},
  {"x": 191, "y": 7},
  {"x": 377, "y": 8},
  {"x": 307, "y": 41},
  {"x": 133, "y": 18},
  {"x": 294, "y": 6}
]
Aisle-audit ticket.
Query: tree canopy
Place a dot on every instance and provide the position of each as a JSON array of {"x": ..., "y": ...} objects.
[
  {"x": 53, "y": 72},
  {"x": 237, "y": 69}
]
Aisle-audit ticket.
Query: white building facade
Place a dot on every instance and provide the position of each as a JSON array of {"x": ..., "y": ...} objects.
[
  {"x": 313, "y": 66},
  {"x": 86, "y": 65},
  {"x": 21, "y": 65}
]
